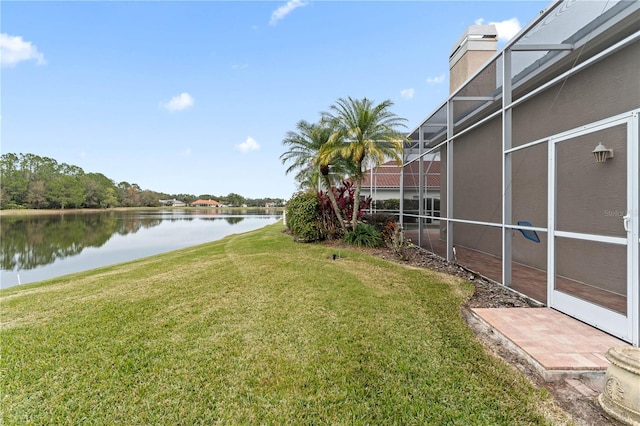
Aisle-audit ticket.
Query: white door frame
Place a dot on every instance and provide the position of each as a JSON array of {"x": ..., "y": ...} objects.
[{"x": 627, "y": 326}]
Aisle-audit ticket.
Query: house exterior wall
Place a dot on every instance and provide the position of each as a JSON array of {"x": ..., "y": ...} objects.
[
  {"x": 467, "y": 65},
  {"x": 476, "y": 46},
  {"x": 380, "y": 194},
  {"x": 587, "y": 190},
  {"x": 383, "y": 194},
  {"x": 529, "y": 182},
  {"x": 607, "y": 88},
  {"x": 588, "y": 195},
  {"x": 477, "y": 183},
  {"x": 585, "y": 255},
  {"x": 477, "y": 178}
]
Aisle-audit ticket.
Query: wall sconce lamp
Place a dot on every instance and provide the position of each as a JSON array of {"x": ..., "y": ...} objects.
[{"x": 601, "y": 153}]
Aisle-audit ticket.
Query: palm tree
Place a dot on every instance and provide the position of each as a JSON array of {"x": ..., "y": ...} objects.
[
  {"x": 366, "y": 134},
  {"x": 306, "y": 146}
]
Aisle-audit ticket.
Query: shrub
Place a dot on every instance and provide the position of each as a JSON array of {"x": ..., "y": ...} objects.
[
  {"x": 383, "y": 223},
  {"x": 396, "y": 241},
  {"x": 329, "y": 220},
  {"x": 391, "y": 204},
  {"x": 344, "y": 198},
  {"x": 364, "y": 235},
  {"x": 379, "y": 220},
  {"x": 303, "y": 217}
]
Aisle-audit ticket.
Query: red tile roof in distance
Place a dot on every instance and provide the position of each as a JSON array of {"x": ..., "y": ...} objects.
[
  {"x": 205, "y": 203},
  {"x": 387, "y": 175}
]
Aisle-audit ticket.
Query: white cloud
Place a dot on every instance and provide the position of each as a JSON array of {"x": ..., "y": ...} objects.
[
  {"x": 436, "y": 80},
  {"x": 284, "y": 10},
  {"x": 506, "y": 29},
  {"x": 249, "y": 145},
  {"x": 178, "y": 103},
  {"x": 407, "y": 93},
  {"x": 186, "y": 152},
  {"x": 239, "y": 66},
  {"x": 14, "y": 49}
]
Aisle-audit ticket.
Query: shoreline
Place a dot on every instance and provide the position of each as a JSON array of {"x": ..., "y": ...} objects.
[
  {"x": 85, "y": 247},
  {"x": 34, "y": 212}
]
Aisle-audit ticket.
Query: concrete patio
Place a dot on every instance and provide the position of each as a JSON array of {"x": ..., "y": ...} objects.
[{"x": 557, "y": 346}]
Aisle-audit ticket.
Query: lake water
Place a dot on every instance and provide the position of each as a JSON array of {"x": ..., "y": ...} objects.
[{"x": 39, "y": 247}]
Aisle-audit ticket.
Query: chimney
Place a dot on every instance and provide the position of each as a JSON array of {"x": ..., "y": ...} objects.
[{"x": 474, "y": 48}]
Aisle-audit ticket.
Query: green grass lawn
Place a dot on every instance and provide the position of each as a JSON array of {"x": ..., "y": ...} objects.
[{"x": 254, "y": 329}]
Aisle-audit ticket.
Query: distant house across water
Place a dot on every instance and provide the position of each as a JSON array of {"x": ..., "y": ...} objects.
[
  {"x": 206, "y": 203},
  {"x": 174, "y": 203}
]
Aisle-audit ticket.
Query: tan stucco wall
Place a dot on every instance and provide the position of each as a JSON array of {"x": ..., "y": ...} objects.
[
  {"x": 597, "y": 264},
  {"x": 591, "y": 197},
  {"x": 468, "y": 64},
  {"x": 610, "y": 87},
  {"x": 477, "y": 174},
  {"x": 529, "y": 180}
]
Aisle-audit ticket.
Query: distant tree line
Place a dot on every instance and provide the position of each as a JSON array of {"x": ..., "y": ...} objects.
[{"x": 35, "y": 182}]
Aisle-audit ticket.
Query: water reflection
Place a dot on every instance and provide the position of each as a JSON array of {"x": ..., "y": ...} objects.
[
  {"x": 38, "y": 242},
  {"x": 31, "y": 241}
]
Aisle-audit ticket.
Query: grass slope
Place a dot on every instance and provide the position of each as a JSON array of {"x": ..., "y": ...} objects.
[{"x": 253, "y": 329}]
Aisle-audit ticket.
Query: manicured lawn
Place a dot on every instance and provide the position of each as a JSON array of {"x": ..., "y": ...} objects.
[{"x": 254, "y": 329}]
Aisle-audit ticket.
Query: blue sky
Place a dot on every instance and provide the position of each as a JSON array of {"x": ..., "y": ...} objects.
[{"x": 196, "y": 97}]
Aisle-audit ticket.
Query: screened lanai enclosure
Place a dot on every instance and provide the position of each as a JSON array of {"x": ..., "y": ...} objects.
[{"x": 537, "y": 151}]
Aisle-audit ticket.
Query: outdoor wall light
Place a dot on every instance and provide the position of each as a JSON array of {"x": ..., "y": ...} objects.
[{"x": 601, "y": 153}]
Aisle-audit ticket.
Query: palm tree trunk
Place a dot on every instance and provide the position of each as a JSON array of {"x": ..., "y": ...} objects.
[
  {"x": 356, "y": 198},
  {"x": 334, "y": 203},
  {"x": 356, "y": 204}
]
